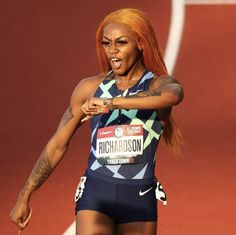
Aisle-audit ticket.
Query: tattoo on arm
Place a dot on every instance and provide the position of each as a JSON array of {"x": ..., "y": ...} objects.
[
  {"x": 43, "y": 166},
  {"x": 41, "y": 170},
  {"x": 174, "y": 88},
  {"x": 68, "y": 115},
  {"x": 155, "y": 92}
]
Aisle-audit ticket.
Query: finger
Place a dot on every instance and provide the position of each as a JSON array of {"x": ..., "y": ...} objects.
[
  {"x": 102, "y": 110},
  {"x": 83, "y": 109},
  {"x": 19, "y": 231},
  {"x": 93, "y": 112},
  {"x": 86, "y": 106},
  {"x": 28, "y": 218},
  {"x": 98, "y": 111},
  {"x": 21, "y": 225},
  {"x": 89, "y": 111}
]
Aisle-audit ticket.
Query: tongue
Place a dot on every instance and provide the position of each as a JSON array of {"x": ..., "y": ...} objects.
[{"x": 116, "y": 64}]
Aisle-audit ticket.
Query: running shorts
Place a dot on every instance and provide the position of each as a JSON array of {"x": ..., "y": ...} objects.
[{"x": 123, "y": 200}]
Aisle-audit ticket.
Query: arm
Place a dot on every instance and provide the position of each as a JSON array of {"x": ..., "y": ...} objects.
[
  {"x": 164, "y": 92},
  {"x": 52, "y": 153}
]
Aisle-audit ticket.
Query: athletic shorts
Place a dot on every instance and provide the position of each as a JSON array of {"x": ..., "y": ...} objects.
[{"x": 123, "y": 200}]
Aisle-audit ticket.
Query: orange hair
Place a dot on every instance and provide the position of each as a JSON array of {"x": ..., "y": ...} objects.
[{"x": 140, "y": 24}]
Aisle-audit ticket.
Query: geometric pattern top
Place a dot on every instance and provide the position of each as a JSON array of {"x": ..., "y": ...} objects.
[{"x": 147, "y": 118}]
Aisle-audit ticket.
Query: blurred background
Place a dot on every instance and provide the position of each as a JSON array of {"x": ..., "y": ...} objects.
[{"x": 47, "y": 47}]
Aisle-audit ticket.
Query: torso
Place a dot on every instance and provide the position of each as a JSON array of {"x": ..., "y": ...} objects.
[{"x": 148, "y": 119}]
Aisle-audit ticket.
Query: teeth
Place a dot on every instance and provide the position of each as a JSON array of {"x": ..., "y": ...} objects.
[{"x": 116, "y": 63}]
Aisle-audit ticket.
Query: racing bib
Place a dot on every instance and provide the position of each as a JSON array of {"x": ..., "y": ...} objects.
[{"x": 120, "y": 144}]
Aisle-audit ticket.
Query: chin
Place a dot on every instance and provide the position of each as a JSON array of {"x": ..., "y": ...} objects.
[{"x": 121, "y": 72}]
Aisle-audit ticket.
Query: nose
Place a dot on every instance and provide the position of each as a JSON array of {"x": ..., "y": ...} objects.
[{"x": 113, "y": 49}]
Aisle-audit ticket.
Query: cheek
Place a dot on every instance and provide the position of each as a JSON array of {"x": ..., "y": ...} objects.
[
  {"x": 105, "y": 51},
  {"x": 132, "y": 54}
]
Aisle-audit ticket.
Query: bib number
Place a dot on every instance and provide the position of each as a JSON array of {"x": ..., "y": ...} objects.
[{"x": 121, "y": 144}]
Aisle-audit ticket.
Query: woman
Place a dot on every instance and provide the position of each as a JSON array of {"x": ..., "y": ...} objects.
[{"x": 129, "y": 104}]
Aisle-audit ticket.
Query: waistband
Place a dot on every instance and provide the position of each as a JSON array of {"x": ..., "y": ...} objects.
[{"x": 92, "y": 174}]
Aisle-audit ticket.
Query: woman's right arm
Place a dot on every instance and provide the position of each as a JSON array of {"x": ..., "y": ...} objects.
[{"x": 52, "y": 153}]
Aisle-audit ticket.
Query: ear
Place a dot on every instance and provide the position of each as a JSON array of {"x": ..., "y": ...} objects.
[{"x": 139, "y": 45}]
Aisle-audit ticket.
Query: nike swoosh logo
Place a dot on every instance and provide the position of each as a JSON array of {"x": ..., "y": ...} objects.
[
  {"x": 135, "y": 92},
  {"x": 144, "y": 192}
]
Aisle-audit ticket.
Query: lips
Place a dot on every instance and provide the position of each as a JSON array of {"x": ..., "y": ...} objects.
[{"x": 115, "y": 63}]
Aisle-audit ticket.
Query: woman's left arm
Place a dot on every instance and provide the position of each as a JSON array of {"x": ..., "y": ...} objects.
[{"x": 164, "y": 92}]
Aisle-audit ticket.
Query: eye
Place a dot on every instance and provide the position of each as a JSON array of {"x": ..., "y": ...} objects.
[
  {"x": 105, "y": 43},
  {"x": 122, "y": 42}
]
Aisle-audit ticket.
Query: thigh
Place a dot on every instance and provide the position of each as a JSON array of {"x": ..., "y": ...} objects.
[
  {"x": 89, "y": 222},
  {"x": 137, "y": 228}
]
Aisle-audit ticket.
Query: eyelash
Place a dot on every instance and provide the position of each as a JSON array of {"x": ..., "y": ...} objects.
[
  {"x": 105, "y": 43},
  {"x": 121, "y": 42}
]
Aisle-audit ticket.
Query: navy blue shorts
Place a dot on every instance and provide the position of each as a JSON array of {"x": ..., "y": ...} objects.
[{"x": 123, "y": 200}]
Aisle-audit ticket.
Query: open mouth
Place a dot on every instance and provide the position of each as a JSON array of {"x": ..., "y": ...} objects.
[{"x": 116, "y": 63}]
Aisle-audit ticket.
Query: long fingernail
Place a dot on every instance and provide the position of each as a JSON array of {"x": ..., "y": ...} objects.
[{"x": 85, "y": 118}]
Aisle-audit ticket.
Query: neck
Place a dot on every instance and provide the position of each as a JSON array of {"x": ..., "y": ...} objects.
[
  {"x": 133, "y": 74},
  {"x": 130, "y": 78}
]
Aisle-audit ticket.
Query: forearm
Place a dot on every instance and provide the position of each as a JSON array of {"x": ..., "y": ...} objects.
[
  {"x": 165, "y": 96},
  {"x": 46, "y": 163},
  {"x": 52, "y": 154}
]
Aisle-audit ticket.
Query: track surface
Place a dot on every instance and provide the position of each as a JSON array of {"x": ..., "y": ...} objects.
[{"x": 47, "y": 47}]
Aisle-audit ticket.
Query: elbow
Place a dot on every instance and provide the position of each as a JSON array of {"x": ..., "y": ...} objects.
[
  {"x": 175, "y": 93},
  {"x": 60, "y": 151},
  {"x": 57, "y": 155},
  {"x": 174, "y": 98},
  {"x": 56, "y": 150},
  {"x": 178, "y": 95}
]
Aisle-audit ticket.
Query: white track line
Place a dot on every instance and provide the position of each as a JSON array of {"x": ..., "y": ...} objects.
[
  {"x": 209, "y": 2},
  {"x": 70, "y": 230},
  {"x": 175, "y": 34}
]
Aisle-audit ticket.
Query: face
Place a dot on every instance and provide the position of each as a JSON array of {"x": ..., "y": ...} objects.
[{"x": 121, "y": 48}]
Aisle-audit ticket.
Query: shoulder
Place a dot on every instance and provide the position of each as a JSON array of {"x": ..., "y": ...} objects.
[
  {"x": 86, "y": 88},
  {"x": 91, "y": 81},
  {"x": 159, "y": 81},
  {"x": 165, "y": 79}
]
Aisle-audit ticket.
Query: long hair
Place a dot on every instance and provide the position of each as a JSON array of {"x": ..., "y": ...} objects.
[{"x": 140, "y": 24}]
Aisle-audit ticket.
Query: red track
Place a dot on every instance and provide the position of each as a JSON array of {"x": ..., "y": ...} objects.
[{"x": 47, "y": 47}]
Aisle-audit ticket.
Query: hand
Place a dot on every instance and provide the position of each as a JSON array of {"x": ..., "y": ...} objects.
[
  {"x": 92, "y": 107},
  {"x": 20, "y": 215}
]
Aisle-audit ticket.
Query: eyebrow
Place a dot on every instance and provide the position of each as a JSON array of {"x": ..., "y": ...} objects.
[{"x": 115, "y": 39}]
